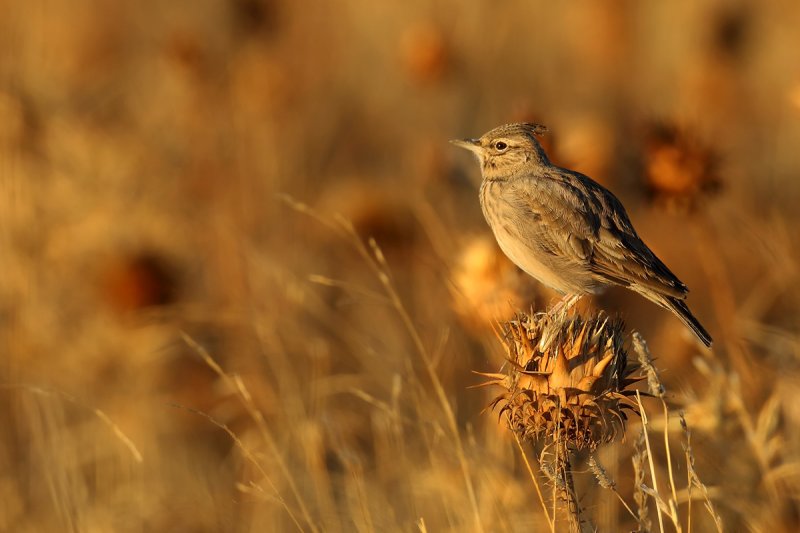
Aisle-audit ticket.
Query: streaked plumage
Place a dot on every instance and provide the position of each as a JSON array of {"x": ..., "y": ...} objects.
[{"x": 564, "y": 229}]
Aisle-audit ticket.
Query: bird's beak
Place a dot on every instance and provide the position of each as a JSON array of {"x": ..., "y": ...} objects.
[{"x": 473, "y": 145}]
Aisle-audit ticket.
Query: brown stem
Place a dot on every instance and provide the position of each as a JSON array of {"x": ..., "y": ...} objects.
[{"x": 568, "y": 492}]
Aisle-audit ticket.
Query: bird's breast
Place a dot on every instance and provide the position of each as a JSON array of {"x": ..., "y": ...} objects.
[{"x": 508, "y": 225}]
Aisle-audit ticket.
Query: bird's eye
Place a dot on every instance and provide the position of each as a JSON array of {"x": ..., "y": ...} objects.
[{"x": 500, "y": 146}]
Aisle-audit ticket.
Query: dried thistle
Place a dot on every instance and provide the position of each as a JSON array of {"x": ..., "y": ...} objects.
[
  {"x": 567, "y": 375},
  {"x": 486, "y": 285},
  {"x": 680, "y": 170}
]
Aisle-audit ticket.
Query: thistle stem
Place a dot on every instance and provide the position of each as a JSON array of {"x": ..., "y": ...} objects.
[{"x": 568, "y": 493}]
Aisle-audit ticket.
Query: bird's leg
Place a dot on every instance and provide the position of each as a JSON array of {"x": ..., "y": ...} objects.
[
  {"x": 561, "y": 308},
  {"x": 565, "y": 303}
]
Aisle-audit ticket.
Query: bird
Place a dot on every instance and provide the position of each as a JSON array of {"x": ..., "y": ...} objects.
[{"x": 563, "y": 228}]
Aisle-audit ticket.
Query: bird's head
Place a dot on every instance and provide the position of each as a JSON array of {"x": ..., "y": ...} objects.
[{"x": 507, "y": 151}]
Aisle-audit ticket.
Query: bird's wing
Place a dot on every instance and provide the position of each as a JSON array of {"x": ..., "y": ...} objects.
[
  {"x": 619, "y": 255},
  {"x": 554, "y": 218},
  {"x": 579, "y": 220}
]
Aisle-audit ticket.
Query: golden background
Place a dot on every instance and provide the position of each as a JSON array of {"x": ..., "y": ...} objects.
[{"x": 178, "y": 182}]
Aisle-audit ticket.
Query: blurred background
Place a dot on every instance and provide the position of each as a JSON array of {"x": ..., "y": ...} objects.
[{"x": 195, "y": 332}]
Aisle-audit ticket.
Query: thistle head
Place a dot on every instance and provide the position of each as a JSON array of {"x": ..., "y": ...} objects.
[{"x": 568, "y": 378}]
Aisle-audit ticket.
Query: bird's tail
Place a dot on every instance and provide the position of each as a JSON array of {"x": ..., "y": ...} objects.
[{"x": 681, "y": 310}]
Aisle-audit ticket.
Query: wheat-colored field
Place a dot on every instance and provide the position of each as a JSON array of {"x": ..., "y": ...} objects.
[{"x": 246, "y": 283}]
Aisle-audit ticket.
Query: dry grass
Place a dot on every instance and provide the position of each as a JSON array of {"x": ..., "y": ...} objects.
[{"x": 186, "y": 350}]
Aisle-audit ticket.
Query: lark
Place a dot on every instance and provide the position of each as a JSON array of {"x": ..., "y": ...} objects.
[{"x": 564, "y": 229}]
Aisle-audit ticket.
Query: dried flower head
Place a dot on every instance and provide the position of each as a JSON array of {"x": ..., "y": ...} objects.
[
  {"x": 680, "y": 171},
  {"x": 487, "y": 287},
  {"x": 425, "y": 53},
  {"x": 568, "y": 376}
]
